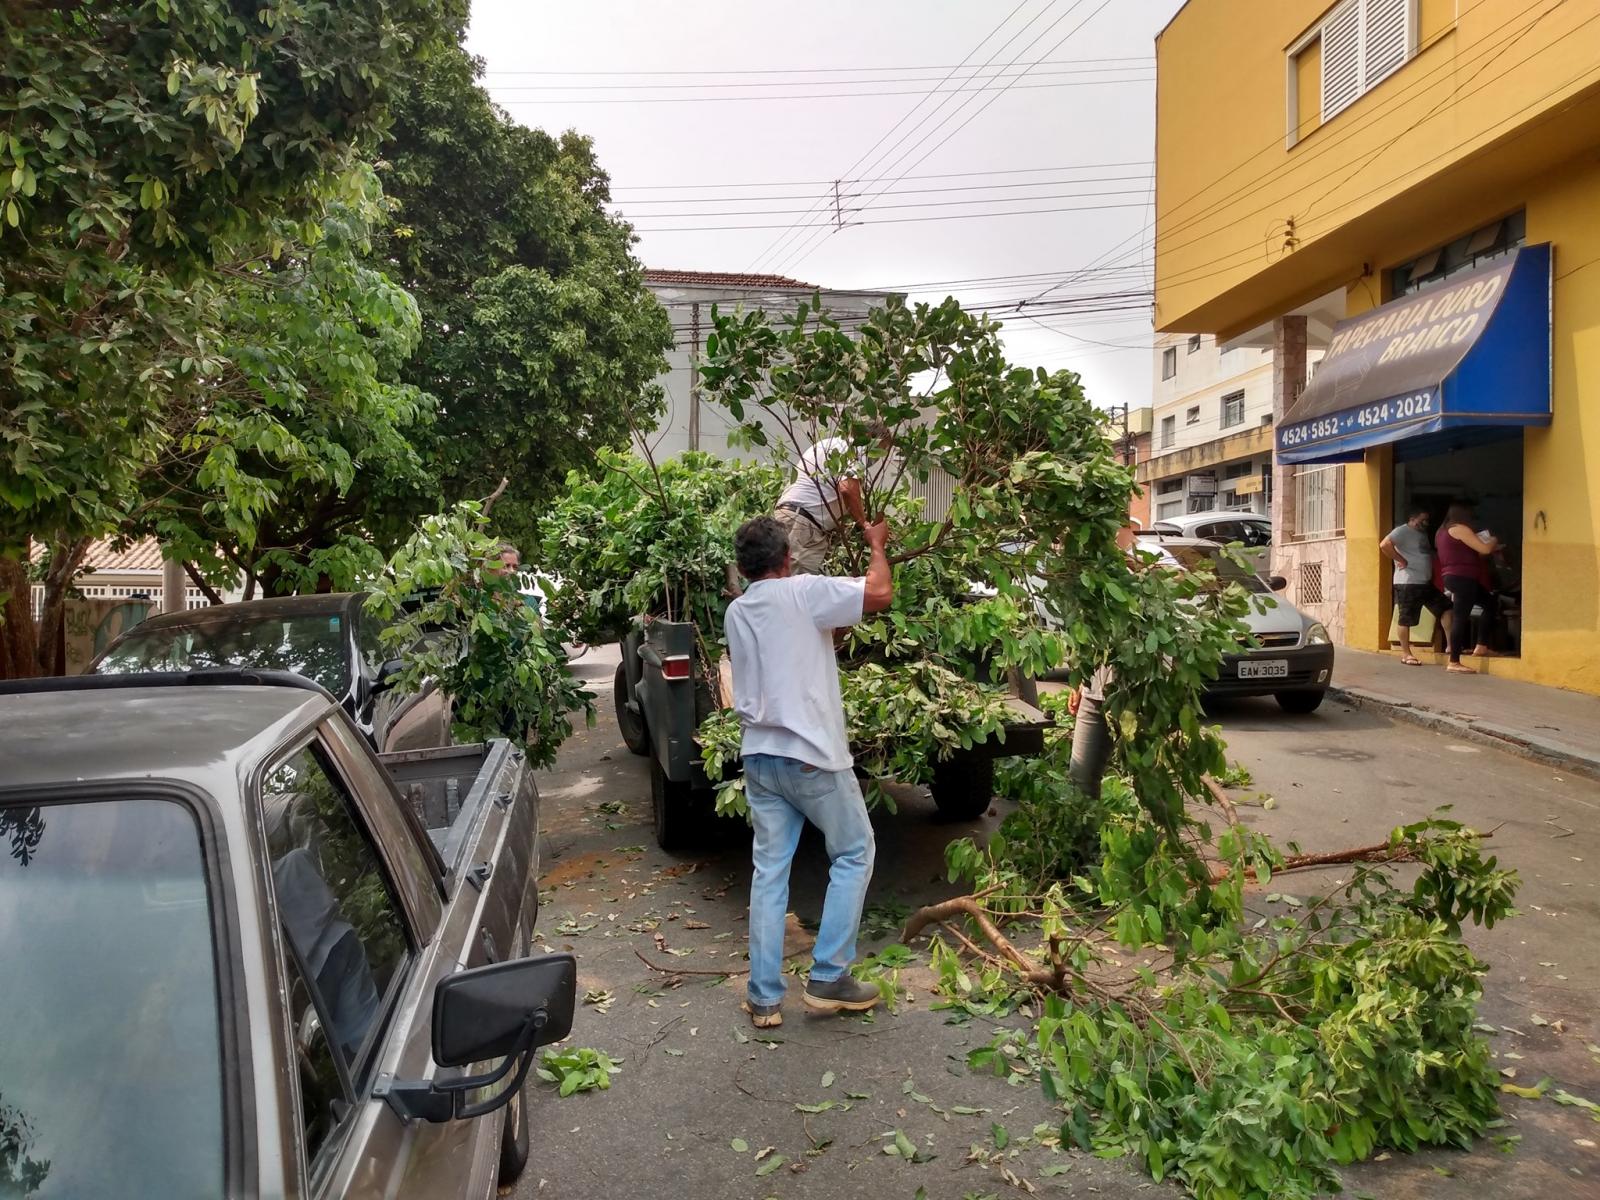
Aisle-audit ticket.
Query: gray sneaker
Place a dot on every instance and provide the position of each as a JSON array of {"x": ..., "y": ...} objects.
[
  {"x": 844, "y": 994},
  {"x": 763, "y": 1016}
]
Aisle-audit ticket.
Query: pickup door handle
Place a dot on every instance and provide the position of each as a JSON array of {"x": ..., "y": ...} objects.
[{"x": 479, "y": 875}]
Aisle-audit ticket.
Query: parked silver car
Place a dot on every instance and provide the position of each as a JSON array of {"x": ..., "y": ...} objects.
[
  {"x": 248, "y": 958},
  {"x": 1289, "y": 656}
]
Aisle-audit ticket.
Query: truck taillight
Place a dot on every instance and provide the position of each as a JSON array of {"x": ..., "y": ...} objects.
[{"x": 675, "y": 666}]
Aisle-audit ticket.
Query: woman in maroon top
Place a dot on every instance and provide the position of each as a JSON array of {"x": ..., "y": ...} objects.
[{"x": 1460, "y": 559}]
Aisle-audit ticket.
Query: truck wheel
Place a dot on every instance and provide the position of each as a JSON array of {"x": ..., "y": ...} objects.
[
  {"x": 677, "y": 808},
  {"x": 963, "y": 787},
  {"x": 514, "y": 1140},
  {"x": 634, "y": 733}
]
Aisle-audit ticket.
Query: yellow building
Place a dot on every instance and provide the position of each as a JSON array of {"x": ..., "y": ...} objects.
[{"x": 1413, "y": 186}]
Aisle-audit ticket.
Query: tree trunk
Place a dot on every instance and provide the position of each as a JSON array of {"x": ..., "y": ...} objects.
[
  {"x": 19, "y": 658},
  {"x": 65, "y": 559}
]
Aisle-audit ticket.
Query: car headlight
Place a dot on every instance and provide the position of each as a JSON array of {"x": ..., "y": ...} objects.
[{"x": 1317, "y": 635}]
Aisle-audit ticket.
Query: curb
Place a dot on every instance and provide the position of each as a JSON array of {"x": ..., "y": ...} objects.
[{"x": 1483, "y": 733}]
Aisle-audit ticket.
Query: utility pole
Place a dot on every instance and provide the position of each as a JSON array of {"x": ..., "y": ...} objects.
[{"x": 694, "y": 376}]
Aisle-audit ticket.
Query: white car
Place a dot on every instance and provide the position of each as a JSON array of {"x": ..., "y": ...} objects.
[
  {"x": 1289, "y": 656},
  {"x": 534, "y": 588}
]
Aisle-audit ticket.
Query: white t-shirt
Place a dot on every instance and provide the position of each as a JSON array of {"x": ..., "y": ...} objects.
[
  {"x": 785, "y": 674},
  {"x": 816, "y": 485}
]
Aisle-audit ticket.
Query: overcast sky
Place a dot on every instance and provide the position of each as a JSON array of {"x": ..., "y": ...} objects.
[{"x": 935, "y": 115}]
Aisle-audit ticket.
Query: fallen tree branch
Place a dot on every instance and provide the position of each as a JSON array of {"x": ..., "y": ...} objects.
[
  {"x": 1382, "y": 852},
  {"x": 686, "y": 970},
  {"x": 938, "y": 914},
  {"x": 1224, "y": 803}
]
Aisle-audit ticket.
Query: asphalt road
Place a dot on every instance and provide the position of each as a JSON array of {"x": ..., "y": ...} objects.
[{"x": 697, "y": 1082}]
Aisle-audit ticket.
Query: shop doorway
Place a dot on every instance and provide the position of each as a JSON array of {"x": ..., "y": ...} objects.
[{"x": 1481, "y": 467}]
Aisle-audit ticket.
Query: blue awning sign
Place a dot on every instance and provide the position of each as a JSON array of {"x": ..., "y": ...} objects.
[{"x": 1472, "y": 351}]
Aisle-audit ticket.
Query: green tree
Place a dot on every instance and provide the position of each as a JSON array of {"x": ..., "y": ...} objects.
[
  {"x": 303, "y": 398},
  {"x": 539, "y": 338},
  {"x": 145, "y": 150}
]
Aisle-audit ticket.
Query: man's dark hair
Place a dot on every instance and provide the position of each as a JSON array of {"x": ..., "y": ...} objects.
[
  {"x": 760, "y": 546},
  {"x": 1417, "y": 508}
]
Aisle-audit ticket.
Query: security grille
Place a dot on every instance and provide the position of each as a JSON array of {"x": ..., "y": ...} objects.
[{"x": 1310, "y": 589}]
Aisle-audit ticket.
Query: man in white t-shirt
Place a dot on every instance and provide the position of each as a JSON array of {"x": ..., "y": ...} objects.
[
  {"x": 826, "y": 487},
  {"x": 797, "y": 762}
]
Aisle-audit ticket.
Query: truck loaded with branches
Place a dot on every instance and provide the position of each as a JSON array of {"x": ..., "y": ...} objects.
[{"x": 1243, "y": 1042}]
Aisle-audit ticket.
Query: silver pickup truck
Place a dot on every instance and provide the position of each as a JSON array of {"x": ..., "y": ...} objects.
[{"x": 242, "y": 956}]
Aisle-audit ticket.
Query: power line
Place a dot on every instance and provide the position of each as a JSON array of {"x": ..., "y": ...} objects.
[
  {"x": 783, "y": 238},
  {"x": 896, "y": 220},
  {"x": 1138, "y": 162},
  {"x": 1065, "y": 62},
  {"x": 990, "y": 101},
  {"x": 914, "y": 191},
  {"x": 807, "y": 243},
  {"x": 1000, "y": 73},
  {"x": 777, "y": 212},
  {"x": 553, "y": 101}
]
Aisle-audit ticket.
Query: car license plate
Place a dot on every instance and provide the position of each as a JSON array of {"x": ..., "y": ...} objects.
[{"x": 1271, "y": 668}]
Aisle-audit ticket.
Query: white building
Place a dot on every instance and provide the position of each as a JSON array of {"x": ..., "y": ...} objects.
[
  {"x": 690, "y": 422},
  {"x": 1211, "y": 447}
]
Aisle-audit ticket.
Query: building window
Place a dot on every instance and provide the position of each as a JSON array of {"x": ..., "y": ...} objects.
[
  {"x": 1172, "y": 508},
  {"x": 1169, "y": 432},
  {"x": 1358, "y": 45},
  {"x": 1200, "y": 504},
  {"x": 1316, "y": 495},
  {"x": 1493, "y": 241},
  {"x": 1194, "y": 343},
  {"x": 1169, "y": 362},
  {"x": 1167, "y": 487},
  {"x": 1192, "y": 416},
  {"x": 1238, "y": 470},
  {"x": 1232, "y": 409}
]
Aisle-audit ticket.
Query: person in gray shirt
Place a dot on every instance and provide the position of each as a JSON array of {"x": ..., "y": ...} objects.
[{"x": 1408, "y": 546}]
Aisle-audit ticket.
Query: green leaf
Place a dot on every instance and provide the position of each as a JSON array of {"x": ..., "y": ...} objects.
[
  {"x": 1002, "y": 1138},
  {"x": 740, "y": 1146},
  {"x": 770, "y": 1165}
]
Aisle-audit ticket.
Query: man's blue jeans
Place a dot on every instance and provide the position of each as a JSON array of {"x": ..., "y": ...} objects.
[{"x": 784, "y": 794}]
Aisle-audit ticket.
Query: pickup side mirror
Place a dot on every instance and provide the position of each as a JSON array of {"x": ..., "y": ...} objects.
[
  {"x": 504, "y": 1010},
  {"x": 1277, "y": 582},
  {"x": 388, "y": 675}
]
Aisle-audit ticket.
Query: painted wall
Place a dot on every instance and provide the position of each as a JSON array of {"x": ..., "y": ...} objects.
[
  {"x": 1249, "y": 226},
  {"x": 1561, "y": 499},
  {"x": 671, "y": 435}
]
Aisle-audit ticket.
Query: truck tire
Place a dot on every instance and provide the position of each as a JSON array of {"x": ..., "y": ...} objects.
[
  {"x": 635, "y": 735},
  {"x": 963, "y": 787},
  {"x": 514, "y": 1140},
  {"x": 679, "y": 810}
]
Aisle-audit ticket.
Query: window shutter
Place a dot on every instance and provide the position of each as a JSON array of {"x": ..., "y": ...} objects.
[
  {"x": 1341, "y": 58},
  {"x": 1388, "y": 39}
]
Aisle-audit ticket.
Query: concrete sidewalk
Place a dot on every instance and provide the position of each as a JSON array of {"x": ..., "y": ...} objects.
[{"x": 1547, "y": 724}]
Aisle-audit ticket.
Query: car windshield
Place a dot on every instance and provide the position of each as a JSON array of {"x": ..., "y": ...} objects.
[
  {"x": 309, "y": 644},
  {"x": 1211, "y": 559},
  {"x": 110, "y": 1067}
]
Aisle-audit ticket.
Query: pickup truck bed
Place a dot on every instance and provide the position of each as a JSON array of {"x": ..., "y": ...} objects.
[{"x": 447, "y": 788}]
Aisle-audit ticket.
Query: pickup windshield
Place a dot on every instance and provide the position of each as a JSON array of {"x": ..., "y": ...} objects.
[
  {"x": 110, "y": 1066},
  {"x": 311, "y": 644}
]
